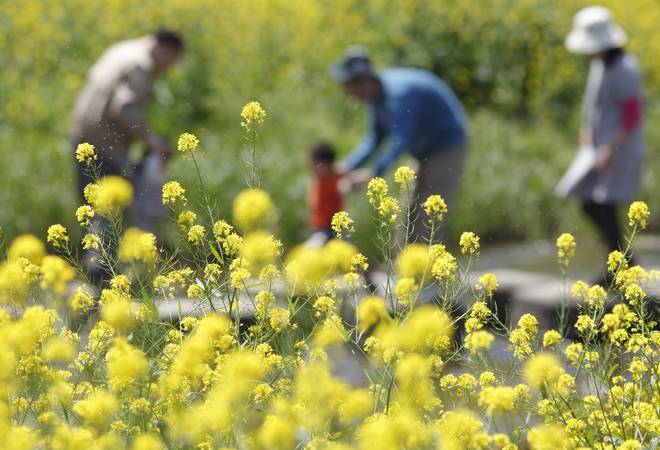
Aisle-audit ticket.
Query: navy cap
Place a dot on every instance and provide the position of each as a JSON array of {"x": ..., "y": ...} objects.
[{"x": 355, "y": 63}]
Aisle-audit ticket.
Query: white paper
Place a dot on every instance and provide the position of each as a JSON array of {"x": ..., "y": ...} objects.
[{"x": 579, "y": 172}]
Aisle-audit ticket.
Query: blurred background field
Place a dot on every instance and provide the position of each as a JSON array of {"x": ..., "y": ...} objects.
[{"x": 505, "y": 59}]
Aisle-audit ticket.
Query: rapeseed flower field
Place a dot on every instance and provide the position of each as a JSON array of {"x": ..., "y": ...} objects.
[
  {"x": 224, "y": 335},
  {"x": 82, "y": 369}
]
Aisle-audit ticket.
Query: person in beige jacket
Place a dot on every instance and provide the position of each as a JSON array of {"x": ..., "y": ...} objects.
[{"x": 110, "y": 112}]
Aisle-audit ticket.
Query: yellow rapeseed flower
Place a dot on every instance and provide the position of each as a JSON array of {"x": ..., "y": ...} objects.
[
  {"x": 359, "y": 262},
  {"x": 415, "y": 261},
  {"x": 81, "y": 301},
  {"x": 551, "y": 338},
  {"x": 58, "y": 349},
  {"x": 469, "y": 243},
  {"x": 85, "y": 153},
  {"x": 97, "y": 410},
  {"x": 488, "y": 284},
  {"x": 252, "y": 114},
  {"x": 187, "y": 143},
  {"x": 404, "y": 176},
  {"x": 330, "y": 332},
  {"x": 479, "y": 340},
  {"x": 252, "y": 208},
  {"x": 487, "y": 378},
  {"x": 221, "y": 229},
  {"x": 186, "y": 220},
  {"x": 276, "y": 433},
  {"x": 638, "y": 214},
  {"x": 630, "y": 444},
  {"x": 616, "y": 261},
  {"x": 523, "y": 337},
  {"x": 111, "y": 195},
  {"x": 212, "y": 273},
  {"x": 323, "y": 305},
  {"x": 260, "y": 249},
  {"x": 238, "y": 274},
  {"x": 279, "y": 319},
  {"x": 406, "y": 289},
  {"x": 542, "y": 369},
  {"x": 27, "y": 246},
  {"x": 426, "y": 328},
  {"x": 91, "y": 241},
  {"x": 371, "y": 311},
  {"x": 137, "y": 245},
  {"x": 119, "y": 314},
  {"x": 596, "y": 296},
  {"x": 498, "y": 398},
  {"x": 529, "y": 323},
  {"x": 584, "y": 325},
  {"x": 84, "y": 214},
  {"x": 444, "y": 267},
  {"x": 435, "y": 207},
  {"x": 358, "y": 403},
  {"x": 173, "y": 192},
  {"x": 121, "y": 283},
  {"x": 196, "y": 234},
  {"x": 463, "y": 429},
  {"x": 148, "y": 442},
  {"x": 232, "y": 244},
  {"x": 565, "y": 248},
  {"x": 389, "y": 209},
  {"x": 547, "y": 437},
  {"x": 57, "y": 236},
  {"x": 342, "y": 224},
  {"x": 126, "y": 364},
  {"x": 90, "y": 192},
  {"x": 56, "y": 273},
  {"x": 376, "y": 190}
]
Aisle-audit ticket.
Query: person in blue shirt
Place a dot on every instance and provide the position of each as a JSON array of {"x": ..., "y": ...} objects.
[{"x": 410, "y": 111}]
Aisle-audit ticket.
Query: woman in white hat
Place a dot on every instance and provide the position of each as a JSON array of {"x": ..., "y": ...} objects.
[{"x": 607, "y": 171}]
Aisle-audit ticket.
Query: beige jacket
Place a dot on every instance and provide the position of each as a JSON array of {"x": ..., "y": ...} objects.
[{"x": 110, "y": 112}]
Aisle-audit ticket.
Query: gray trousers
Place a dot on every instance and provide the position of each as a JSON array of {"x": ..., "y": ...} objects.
[{"x": 438, "y": 173}]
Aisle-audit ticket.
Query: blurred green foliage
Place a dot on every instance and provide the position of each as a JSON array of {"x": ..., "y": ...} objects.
[{"x": 505, "y": 59}]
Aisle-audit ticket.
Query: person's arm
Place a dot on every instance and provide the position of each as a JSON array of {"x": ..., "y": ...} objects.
[
  {"x": 368, "y": 145},
  {"x": 585, "y": 137},
  {"x": 129, "y": 103},
  {"x": 402, "y": 134},
  {"x": 129, "y": 108},
  {"x": 631, "y": 117}
]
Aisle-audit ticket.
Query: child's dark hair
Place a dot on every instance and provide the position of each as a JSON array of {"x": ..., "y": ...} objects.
[
  {"x": 170, "y": 38},
  {"x": 322, "y": 152}
]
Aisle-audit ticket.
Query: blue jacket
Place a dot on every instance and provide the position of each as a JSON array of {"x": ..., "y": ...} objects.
[{"x": 418, "y": 114}]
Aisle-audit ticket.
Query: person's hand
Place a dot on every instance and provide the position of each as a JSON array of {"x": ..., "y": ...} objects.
[
  {"x": 605, "y": 158},
  {"x": 344, "y": 185},
  {"x": 359, "y": 178},
  {"x": 586, "y": 138}
]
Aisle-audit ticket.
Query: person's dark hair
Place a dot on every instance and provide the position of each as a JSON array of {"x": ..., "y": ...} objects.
[
  {"x": 612, "y": 55},
  {"x": 322, "y": 152},
  {"x": 363, "y": 78},
  {"x": 170, "y": 38}
]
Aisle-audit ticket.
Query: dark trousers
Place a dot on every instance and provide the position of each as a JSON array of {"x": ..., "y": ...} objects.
[{"x": 604, "y": 216}]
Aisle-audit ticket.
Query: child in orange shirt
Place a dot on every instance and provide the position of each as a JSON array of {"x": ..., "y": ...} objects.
[{"x": 325, "y": 194}]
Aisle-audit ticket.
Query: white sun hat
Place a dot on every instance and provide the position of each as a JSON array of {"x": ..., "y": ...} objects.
[{"x": 594, "y": 31}]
